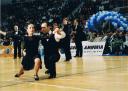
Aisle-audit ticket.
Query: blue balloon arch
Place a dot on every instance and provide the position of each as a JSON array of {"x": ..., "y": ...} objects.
[{"x": 96, "y": 21}]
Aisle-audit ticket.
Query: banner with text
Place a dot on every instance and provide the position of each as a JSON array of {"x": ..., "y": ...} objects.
[
  {"x": 93, "y": 48},
  {"x": 89, "y": 48}
]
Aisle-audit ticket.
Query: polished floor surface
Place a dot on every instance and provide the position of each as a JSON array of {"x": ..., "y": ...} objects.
[{"x": 90, "y": 73}]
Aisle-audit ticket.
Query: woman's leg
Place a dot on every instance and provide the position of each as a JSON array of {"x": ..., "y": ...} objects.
[
  {"x": 21, "y": 72},
  {"x": 37, "y": 67}
]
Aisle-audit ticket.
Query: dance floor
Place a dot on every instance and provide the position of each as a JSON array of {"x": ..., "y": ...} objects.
[{"x": 90, "y": 73}]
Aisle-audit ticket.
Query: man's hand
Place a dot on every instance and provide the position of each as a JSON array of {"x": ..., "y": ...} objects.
[{"x": 57, "y": 30}]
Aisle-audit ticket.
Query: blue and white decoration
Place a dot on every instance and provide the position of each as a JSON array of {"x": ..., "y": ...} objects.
[{"x": 96, "y": 22}]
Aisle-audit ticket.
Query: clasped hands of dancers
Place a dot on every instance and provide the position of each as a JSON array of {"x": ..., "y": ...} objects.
[{"x": 31, "y": 57}]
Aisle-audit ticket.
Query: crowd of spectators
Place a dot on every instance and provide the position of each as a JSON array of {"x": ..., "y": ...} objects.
[
  {"x": 35, "y": 11},
  {"x": 55, "y": 10}
]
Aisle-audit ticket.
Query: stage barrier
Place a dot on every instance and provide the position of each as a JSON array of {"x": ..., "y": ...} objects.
[{"x": 89, "y": 49}]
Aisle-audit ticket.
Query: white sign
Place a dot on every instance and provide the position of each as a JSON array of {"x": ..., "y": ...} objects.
[
  {"x": 93, "y": 48},
  {"x": 89, "y": 48}
]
